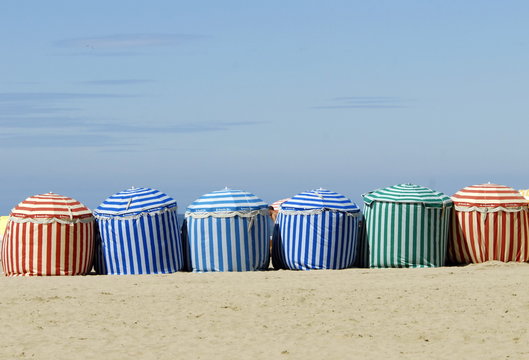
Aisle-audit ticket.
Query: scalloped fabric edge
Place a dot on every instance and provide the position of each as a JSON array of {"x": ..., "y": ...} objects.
[{"x": 227, "y": 214}]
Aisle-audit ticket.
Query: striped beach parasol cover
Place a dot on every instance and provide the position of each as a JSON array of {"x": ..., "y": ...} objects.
[
  {"x": 277, "y": 204},
  {"x": 406, "y": 225},
  {"x": 48, "y": 234},
  {"x": 317, "y": 229},
  {"x": 227, "y": 230},
  {"x": 490, "y": 222},
  {"x": 139, "y": 233}
]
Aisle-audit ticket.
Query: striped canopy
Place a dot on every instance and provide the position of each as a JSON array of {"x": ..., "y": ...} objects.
[
  {"x": 491, "y": 222},
  {"x": 408, "y": 193},
  {"x": 406, "y": 226},
  {"x": 486, "y": 197},
  {"x": 226, "y": 201},
  {"x": 48, "y": 234},
  {"x": 41, "y": 208},
  {"x": 320, "y": 199},
  {"x": 277, "y": 205},
  {"x": 139, "y": 234},
  {"x": 227, "y": 230},
  {"x": 133, "y": 202}
]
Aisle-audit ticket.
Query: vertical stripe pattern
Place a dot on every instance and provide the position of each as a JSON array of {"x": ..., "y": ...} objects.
[
  {"x": 148, "y": 244},
  {"x": 227, "y": 230},
  {"x": 406, "y": 225},
  {"x": 327, "y": 240},
  {"x": 48, "y": 234},
  {"x": 233, "y": 243},
  {"x": 138, "y": 234},
  {"x": 490, "y": 222},
  {"x": 404, "y": 235},
  {"x": 317, "y": 229}
]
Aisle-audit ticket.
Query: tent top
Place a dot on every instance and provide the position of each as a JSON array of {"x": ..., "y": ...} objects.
[
  {"x": 50, "y": 207},
  {"x": 277, "y": 204},
  {"x": 227, "y": 201},
  {"x": 489, "y": 196},
  {"x": 134, "y": 202},
  {"x": 408, "y": 193},
  {"x": 321, "y": 199}
]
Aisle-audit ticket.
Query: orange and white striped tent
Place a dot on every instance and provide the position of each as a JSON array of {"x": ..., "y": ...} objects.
[
  {"x": 277, "y": 205},
  {"x": 489, "y": 222},
  {"x": 48, "y": 234}
]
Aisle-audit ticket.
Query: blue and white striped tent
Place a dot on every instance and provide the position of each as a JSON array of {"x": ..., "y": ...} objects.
[
  {"x": 227, "y": 230},
  {"x": 316, "y": 230},
  {"x": 139, "y": 234}
]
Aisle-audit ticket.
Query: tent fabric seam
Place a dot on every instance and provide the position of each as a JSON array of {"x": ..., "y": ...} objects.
[
  {"x": 320, "y": 211},
  {"x": 50, "y": 220},
  {"x": 226, "y": 214},
  {"x": 103, "y": 216},
  {"x": 490, "y": 209}
]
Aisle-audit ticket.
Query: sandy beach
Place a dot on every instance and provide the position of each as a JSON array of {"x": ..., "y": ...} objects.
[{"x": 476, "y": 311}]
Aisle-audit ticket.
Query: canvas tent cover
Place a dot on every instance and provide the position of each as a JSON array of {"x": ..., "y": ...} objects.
[
  {"x": 409, "y": 193},
  {"x": 227, "y": 203}
]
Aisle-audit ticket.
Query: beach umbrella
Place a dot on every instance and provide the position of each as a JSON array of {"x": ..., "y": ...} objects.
[
  {"x": 227, "y": 230},
  {"x": 490, "y": 222},
  {"x": 139, "y": 233},
  {"x": 48, "y": 234},
  {"x": 316, "y": 229},
  {"x": 406, "y": 225}
]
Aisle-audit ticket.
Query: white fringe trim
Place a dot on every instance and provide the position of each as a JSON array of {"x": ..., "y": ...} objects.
[
  {"x": 227, "y": 214},
  {"x": 491, "y": 210},
  {"x": 50, "y": 220},
  {"x": 318, "y": 212},
  {"x": 135, "y": 216}
]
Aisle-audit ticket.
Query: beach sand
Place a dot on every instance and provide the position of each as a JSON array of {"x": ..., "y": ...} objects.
[{"x": 477, "y": 311}]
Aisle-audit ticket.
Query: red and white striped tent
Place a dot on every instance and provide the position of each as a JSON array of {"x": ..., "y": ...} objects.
[
  {"x": 48, "y": 234},
  {"x": 489, "y": 222}
]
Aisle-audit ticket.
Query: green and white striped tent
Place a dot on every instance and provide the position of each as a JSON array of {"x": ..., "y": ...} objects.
[{"x": 405, "y": 226}]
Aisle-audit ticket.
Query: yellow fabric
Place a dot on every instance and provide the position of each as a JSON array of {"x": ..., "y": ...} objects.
[
  {"x": 525, "y": 193},
  {"x": 3, "y": 224}
]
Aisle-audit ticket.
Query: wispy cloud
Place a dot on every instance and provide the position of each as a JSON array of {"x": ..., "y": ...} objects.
[
  {"x": 126, "y": 41},
  {"x": 58, "y": 141},
  {"x": 43, "y": 122},
  {"x": 117, "y": 82},
  {"x": 116, "y": 127},
  {"x": 169, "y": 128},
  {"x": 54, "y": 96},
  {"x": 106, "y": 136},
  {"x": 56, "y": 120},
  {"x": 10, "y": 112},
  {"x": 364, "y": 102},
  {"x": 28, "y": 106}
]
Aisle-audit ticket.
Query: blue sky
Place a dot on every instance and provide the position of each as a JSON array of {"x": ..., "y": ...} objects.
[{"x": 273, "y": 97}]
